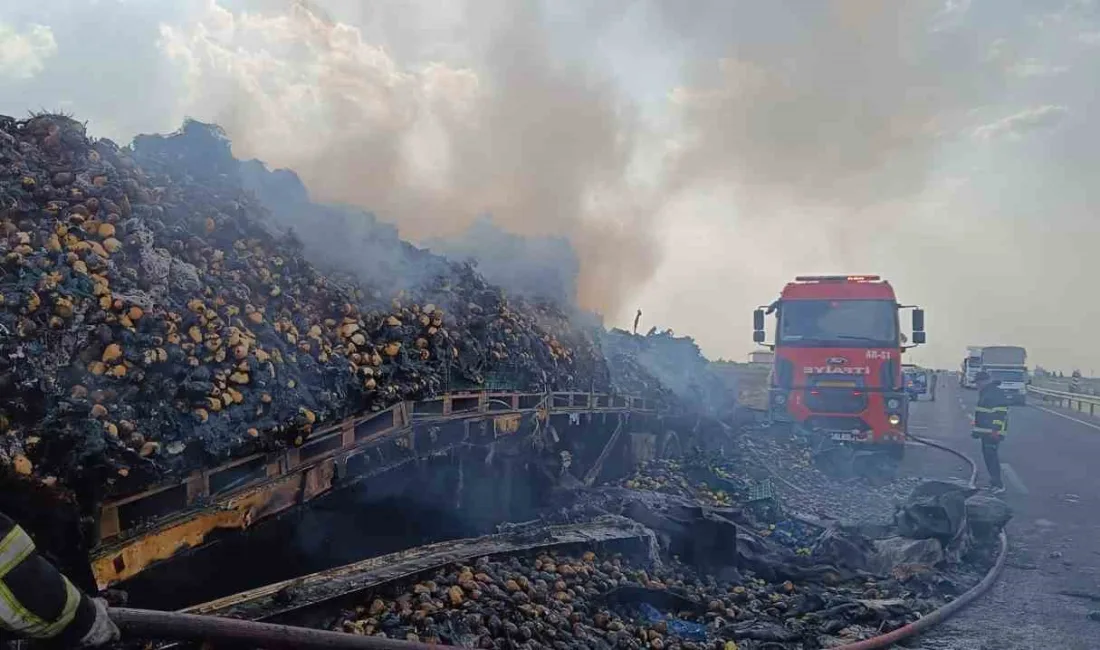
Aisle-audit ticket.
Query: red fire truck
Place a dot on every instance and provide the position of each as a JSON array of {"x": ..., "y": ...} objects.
[{"x": 837, "y": 373}]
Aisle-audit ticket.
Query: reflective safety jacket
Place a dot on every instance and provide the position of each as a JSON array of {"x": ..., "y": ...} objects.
[
  {"x": 991, "y": 415},
  {"x": 36, "y": 601}
]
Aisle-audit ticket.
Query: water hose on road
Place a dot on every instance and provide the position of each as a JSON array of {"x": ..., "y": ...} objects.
[
  {"x": 969, "y": 461},
  {"x": 147, "y": 624}
]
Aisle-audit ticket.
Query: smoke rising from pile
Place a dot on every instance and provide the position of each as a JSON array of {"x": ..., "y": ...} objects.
[
  {"x": 541, "y": 146},
  {"x": 695, "y": 155},
  {"x": 845, "y": 118}
]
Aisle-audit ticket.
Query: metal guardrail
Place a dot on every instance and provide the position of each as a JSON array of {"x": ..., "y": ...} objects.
[
  {"x": 1074, "y": 401},
  {"x": 1085, "y": 385}
]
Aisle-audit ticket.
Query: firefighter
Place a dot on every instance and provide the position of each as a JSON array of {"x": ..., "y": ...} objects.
[
  {"x": 38, "y": 602},
  {"x": 990, "y": 425}
]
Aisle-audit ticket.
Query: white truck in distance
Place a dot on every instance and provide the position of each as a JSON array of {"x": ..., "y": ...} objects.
[
  {"x": 1007, "y": 364},
  {"x": 971, "y": 364}
]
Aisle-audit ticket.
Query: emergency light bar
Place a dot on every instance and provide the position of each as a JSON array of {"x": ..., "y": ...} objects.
[{"x": 837, "y": 278}]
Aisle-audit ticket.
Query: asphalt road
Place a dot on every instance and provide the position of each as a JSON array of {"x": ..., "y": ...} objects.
[{"x": 1051, "y": 461}]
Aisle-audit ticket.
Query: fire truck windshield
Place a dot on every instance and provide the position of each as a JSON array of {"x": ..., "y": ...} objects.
[{"x": 853, "y": 323}]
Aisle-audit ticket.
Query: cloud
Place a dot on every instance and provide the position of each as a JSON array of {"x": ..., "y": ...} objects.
[
  {"x": 1003, "y": 53},
  {"x": 850, "y": 114},
  {"x": 23, "y": 54},
  {"x": 1022, "y": 123},
  {"x": 1090, "y": 39},
  {"x": 1035, "y": 68},
  {"x": 951, "y": 15}
]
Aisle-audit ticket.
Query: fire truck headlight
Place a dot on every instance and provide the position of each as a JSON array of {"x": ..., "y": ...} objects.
[
  {"x": 893, "y": 403},
  {"x": 894, "y": 419}
]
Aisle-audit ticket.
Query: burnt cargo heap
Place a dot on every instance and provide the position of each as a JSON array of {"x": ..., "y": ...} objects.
[{"x": 156, "y": 318}]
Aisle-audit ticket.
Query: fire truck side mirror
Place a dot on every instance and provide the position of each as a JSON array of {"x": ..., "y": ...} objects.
[
  {"x": 758, "y": 336},
  {"x": 918, "y": 321},
  {"x": 758, "y": 322},
  {"x": 919, "y": 338}
]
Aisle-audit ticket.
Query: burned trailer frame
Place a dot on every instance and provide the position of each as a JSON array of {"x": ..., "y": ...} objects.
[
  {"x": 136, "y": 532},
  {"x": 297, "y": 600}
]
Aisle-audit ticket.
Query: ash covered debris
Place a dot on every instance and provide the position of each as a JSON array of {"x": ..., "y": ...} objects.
[
  {"x": 858, "y": 577},
  {"x": 556, "y": 600},
  {"x": 781, "y": 583},
  {"x": 789, "y": 462},
  {"x": 674, "y": 366},
  {"x": 156, "y": 317}
]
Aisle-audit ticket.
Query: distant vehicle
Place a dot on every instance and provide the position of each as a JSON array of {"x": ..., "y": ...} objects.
[
  {"x": 971, "y": 365},
  {"x": 1007, "y": 365},
  {"x": 919, "y": 381},
  {"x": 837, "y": 372}
]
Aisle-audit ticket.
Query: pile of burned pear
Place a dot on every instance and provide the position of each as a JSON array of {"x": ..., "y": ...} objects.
[{"x": 153, "y": 320}]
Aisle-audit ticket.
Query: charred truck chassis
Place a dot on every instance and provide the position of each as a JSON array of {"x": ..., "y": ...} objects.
[
  {"x": 296, "y": 601},
  {"x": 137, "y": 532}
]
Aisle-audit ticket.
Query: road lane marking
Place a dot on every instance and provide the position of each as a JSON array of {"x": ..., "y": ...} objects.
[
  {"x": 1063, "y": 415},
  {"x": 1013, "y": 479}
]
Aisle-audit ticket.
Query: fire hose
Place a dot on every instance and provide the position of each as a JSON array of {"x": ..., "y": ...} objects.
[
  {"x": 148, "y": 624},
  {"x": 176, "y": 626}
]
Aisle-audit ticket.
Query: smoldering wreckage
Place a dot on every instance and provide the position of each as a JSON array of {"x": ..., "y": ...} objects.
[{"x": 160, "y": 319}]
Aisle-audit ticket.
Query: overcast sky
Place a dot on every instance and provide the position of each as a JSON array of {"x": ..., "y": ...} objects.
[{"x": 697, "y": 154}]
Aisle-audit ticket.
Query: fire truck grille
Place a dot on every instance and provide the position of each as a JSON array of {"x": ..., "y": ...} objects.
[
  {"x": 836, "y": 400},
  {"x": 836, "y": 423}
]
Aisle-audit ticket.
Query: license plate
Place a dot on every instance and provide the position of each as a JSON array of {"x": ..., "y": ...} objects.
[
  {"x": 836, "y": 384},
  {"x": 842, "y": 437}
]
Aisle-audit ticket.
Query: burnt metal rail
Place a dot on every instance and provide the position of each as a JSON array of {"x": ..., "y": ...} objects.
[
  {"x": 138, "y": 531},
  {"x": 321, "y": 590}
]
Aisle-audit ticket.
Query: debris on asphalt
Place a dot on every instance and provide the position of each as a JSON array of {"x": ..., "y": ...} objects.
[
  {"x": 559, "y": 601},
  {"x": 928, "y": 550},
  {"x": 789, "y": 462}
]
